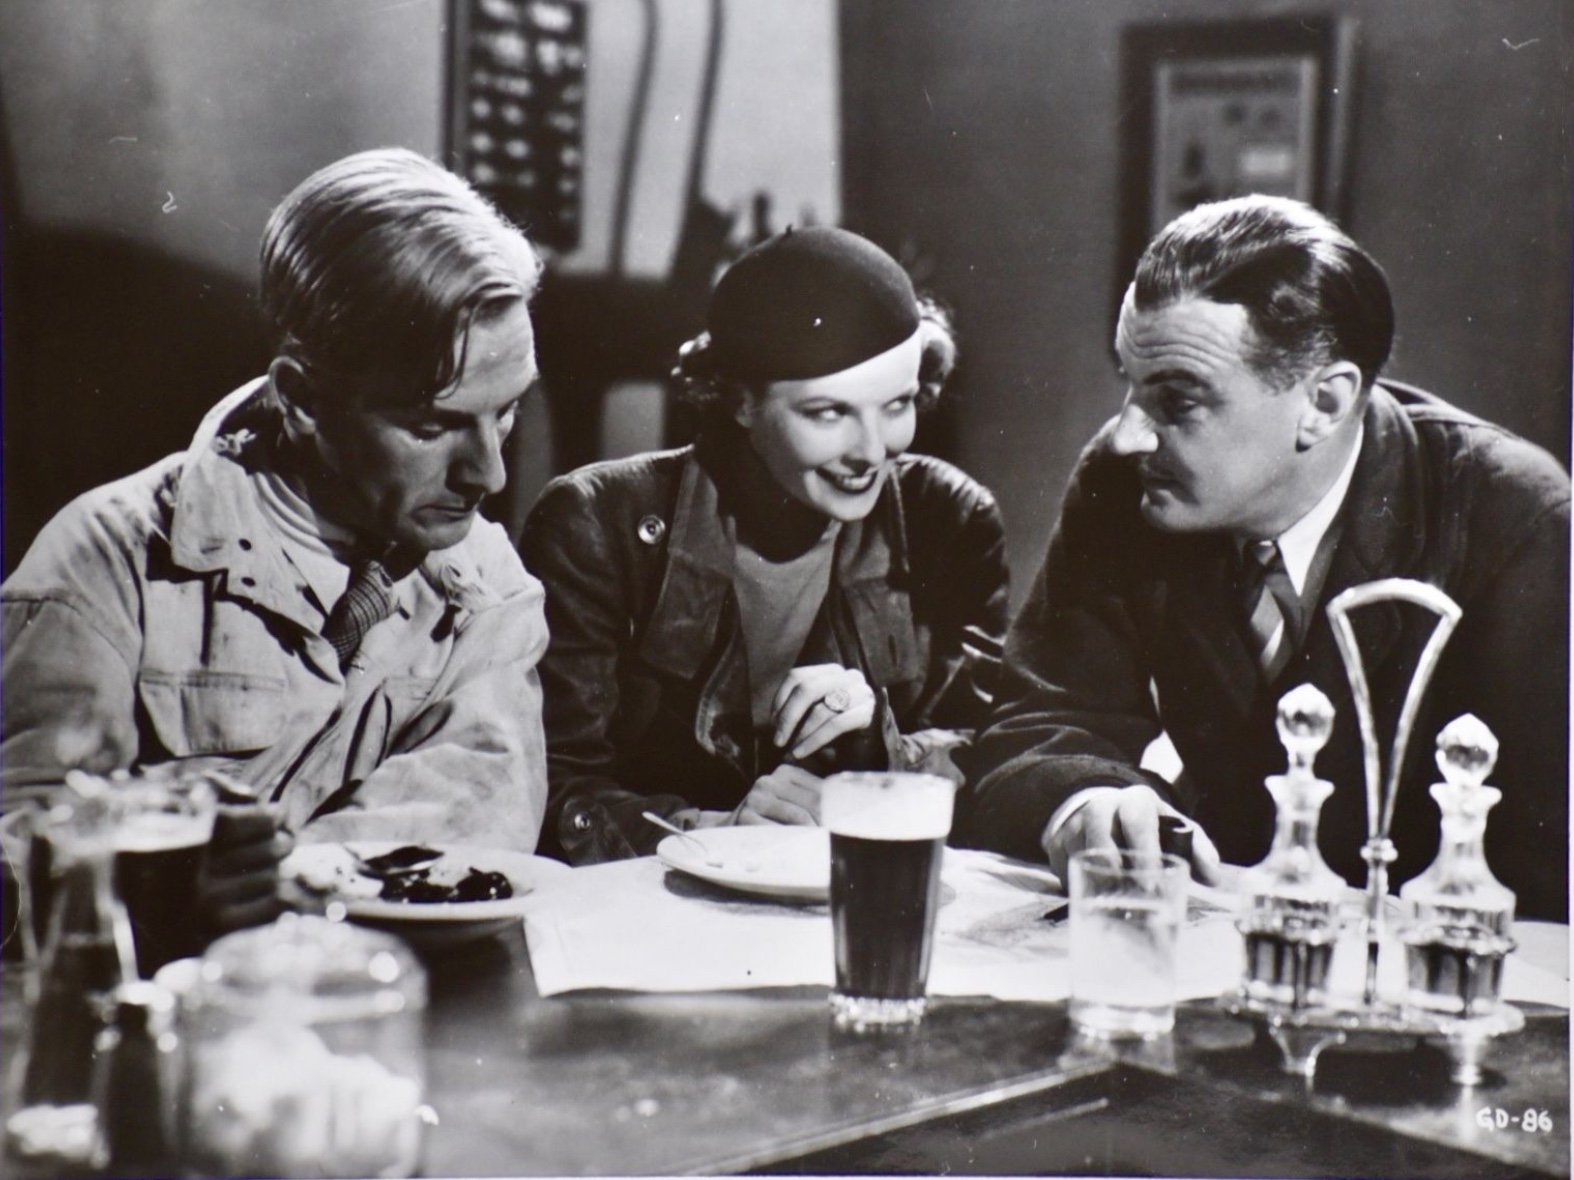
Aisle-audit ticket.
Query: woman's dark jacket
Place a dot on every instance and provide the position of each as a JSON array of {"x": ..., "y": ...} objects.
[{"x": 647, "y": 700}]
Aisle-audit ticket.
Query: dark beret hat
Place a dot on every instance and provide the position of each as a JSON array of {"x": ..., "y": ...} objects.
[{"x": 807, "y": 303}]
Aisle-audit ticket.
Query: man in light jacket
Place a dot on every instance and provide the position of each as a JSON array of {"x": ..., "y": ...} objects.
[{"x": 305, "y": 598}]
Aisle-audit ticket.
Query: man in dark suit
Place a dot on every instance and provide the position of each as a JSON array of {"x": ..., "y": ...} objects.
[{"x": 1257, "y": 468}]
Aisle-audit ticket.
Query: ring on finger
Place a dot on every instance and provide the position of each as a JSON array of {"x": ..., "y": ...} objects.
[{"x": 837, "y": 700}]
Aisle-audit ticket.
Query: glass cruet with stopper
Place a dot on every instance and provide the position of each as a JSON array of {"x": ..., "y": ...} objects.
[
  {"x": 1458, "y": 915},
  {"x": 1291, "y": 900}
]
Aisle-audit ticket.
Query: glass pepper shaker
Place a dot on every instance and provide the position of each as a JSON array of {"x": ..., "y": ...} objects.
[
  {"x": 1290, "y": 913},
  {"x": 1459, "y": 917}
]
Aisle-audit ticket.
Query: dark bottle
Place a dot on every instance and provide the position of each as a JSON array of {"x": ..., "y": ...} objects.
[{"x": 134, "y": 1080}]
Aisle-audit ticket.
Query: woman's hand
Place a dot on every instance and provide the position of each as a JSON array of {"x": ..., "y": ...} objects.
[
  {"x": 817, "y": 704},
  {"x": 788, "y": 795}
]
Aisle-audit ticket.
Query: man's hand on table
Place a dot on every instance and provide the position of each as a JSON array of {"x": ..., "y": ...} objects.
[
  {"x": 239, "y": 882},
  {"x": 1125, "y": 818}
]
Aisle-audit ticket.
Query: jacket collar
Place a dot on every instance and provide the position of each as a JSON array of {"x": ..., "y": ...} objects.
[
  {"x": 870, "y": 571},
  {"x": 217, "y": 525},
  {"x": 1384, "y": 511},
  {"x": 697, "y": 581},
  {"x": 1383, "y": 523}
]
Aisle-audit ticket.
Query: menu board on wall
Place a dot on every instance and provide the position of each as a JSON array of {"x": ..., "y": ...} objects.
[{"x": 517, "y": 110}]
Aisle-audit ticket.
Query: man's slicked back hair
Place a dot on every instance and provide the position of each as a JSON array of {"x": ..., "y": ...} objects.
[
  {"x": 1312, "y": 295},
  {"x": 374, "y": 269}
]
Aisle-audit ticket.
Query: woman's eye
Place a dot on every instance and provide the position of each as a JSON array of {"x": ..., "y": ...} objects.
[
  {"x": 900, "y": 405},
  {"x": 825, "y": 415}
]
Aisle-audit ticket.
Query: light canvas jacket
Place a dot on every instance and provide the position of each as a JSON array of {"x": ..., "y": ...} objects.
[{"x": 157, "y": 618}]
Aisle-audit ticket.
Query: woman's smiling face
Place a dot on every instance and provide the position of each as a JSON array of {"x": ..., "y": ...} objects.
[{"x": 829, "y": 441}]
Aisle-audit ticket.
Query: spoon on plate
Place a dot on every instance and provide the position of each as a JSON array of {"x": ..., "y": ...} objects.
[{"x": 706, "y": 854}]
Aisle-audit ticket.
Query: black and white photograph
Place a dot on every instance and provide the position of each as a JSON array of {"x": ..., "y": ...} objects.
[{"x": 823, "y": 587}]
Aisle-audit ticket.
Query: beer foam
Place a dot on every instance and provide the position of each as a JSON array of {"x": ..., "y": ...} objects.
[
  {"x": 162, "y": 831},
  {"x": 877, "y": 806}
]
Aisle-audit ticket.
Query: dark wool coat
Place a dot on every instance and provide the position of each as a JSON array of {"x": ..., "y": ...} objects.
[{"x": 1130, "y": 629}]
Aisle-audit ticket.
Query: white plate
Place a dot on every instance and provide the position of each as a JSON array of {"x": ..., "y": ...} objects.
[
  {"x": 436, "y": 922},
  {"x": 791, "y": 863}
]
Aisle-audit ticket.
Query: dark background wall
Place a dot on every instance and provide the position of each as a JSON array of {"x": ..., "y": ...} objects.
[
  {"x": 983, "y": 140},
  {"x": 143, "y": 145},
  {"x": 144, "y": 142}
]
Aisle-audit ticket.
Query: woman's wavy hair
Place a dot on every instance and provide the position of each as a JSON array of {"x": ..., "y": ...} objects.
[
  {"x": 706, "y": 388},
  {"x": 375, "y": 268}
]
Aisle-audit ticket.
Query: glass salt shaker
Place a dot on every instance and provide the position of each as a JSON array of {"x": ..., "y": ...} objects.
[
  {"x": 1290, "y": 912},
  {"x": 1459, "y": 917},
  {"x": 304, "y": 1054}
]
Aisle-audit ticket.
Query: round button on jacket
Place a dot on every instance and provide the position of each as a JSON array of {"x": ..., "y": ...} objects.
[{"x": 652, "y": 529}]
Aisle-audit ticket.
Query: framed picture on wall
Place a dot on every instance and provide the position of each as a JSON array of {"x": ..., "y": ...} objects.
[{"x": 1220, "y": 109}]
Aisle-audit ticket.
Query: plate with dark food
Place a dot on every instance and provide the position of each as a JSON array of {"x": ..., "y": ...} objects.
[{"x": 429, "y": 893}]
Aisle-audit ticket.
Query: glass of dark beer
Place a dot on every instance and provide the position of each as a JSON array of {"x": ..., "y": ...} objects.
[
  {"x": 887, "y": 832},
  {"x": 163, "y": 825}
]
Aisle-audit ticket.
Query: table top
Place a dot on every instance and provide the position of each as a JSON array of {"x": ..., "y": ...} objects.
[
  {"x": 602, "y": 1083},
  {"x": 618, "y": 1084}
]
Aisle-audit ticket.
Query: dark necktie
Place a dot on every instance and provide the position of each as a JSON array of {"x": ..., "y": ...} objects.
[
  {"x": 1273, "y": 606},
  {"x": 366, "y": 601}
]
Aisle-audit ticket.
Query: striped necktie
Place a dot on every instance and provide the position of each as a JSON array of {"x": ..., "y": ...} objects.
[
  {"x": 366, "y": 601},
  {"x": 1274, "y": 607}
]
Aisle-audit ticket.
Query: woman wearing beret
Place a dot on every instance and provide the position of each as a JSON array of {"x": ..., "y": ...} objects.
[{"x": 791, "y": 596}]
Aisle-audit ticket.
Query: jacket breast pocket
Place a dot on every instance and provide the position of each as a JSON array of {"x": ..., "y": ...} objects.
[{"x": 193, "y": 713}]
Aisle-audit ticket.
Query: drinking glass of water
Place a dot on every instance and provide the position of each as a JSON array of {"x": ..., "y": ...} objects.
[
  {"x": 887, "y": 832},
  {"x": 1126, "y": 912}
]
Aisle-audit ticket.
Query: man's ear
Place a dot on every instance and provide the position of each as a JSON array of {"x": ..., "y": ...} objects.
[
  {"x": 1332, "y": 397},
  {"x": 291, "y": 388}
]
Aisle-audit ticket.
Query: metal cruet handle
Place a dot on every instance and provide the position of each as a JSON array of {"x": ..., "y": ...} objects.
[{"x": 1382, "y": 789}]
